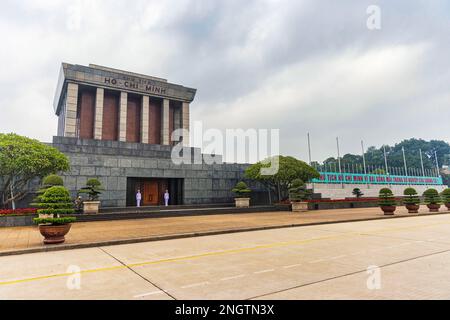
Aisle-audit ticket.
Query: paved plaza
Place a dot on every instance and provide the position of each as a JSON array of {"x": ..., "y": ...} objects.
[
  {"x": 411, "y": 258},
  {"x": 106, "y": 232}
]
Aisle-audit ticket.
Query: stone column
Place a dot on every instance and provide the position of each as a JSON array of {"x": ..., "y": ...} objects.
[
  {"x": 145, "y": 118},
  {"x": 98, "y": 124},
  {"x": 165, "y": 122},
  {"x": 185, "y": 122},
  {"x": 123, "y": 116},
  {"x": 70, "y": 121}
]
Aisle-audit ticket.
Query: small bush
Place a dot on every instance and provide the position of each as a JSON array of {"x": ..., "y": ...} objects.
[
  {"x": 93, "y": 183},
  {"x": 411, "y": 196},
  {"x": 432, "y": 196},
  {"x": 93, "y": 189},
  {"x": 241, "y": 190},
  {"x": 298, "y": 191},
  {"x": 55, "y": 201},
  {"x": 52, "y": 180},
  {"x": 357, "y": 193},
  {"x": 386, "y": 198},
  {"x": 446, "y": 195}
]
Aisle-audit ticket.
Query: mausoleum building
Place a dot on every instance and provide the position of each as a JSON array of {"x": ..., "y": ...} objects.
[{"x": 116, "y": 126}]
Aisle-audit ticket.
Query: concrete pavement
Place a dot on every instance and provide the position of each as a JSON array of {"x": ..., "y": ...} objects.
[
  {"x": 407, "y": 259},
  {"x": 88, "y": 234}
]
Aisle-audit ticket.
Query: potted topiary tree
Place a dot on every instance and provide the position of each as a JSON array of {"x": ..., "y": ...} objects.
[
  {"x": 432, "y": 199},
  {"x": 93, "y": 190},
  {"x": 297, "y": 196},
  {"x": 446, "y": 197},
  {"x": 357, "y": 193},
  {"x": 387, "y": 201},
  {"x": 242, "y": 191},
  {"x": 53, "y": 202},
  {"x": 49, "y": 181},
  {"x": 411, "y": 200}
]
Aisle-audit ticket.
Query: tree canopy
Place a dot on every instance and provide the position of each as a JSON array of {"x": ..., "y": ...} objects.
[
  {"x": 23, "y": 159},
  {"x": 289, "y": 169}
]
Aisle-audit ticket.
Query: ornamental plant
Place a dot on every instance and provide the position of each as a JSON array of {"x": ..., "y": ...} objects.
[
  {"x": 411, "y": 197},
  {"x": 54, "y": 202},
  {"x": 241, "y": 190},
  {"x": 446, "y": 196},
  {"x": 298, "y": 191},
  {"x": 17, "y": 212},
  {"x": 93, "y": 189},
  {"x": 432, "y": 196},
  {"x": 386, "y": 198},
  {"x": 52, "y": 180},
  {"x": 357, "y": 193}
]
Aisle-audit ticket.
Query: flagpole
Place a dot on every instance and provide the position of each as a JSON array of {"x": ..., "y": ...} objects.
[
  {"x": 385, "y": 160},
  {"x": 437, "y": 163},
  {"x": 421, "y": 162},
  {"x": 404, "y": 161},
  {"x": 339, "y": 159},
  {"x": 309, "y": 149}
]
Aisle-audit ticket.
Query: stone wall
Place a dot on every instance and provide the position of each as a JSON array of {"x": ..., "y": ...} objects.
[{"x": 113, "y": 161}]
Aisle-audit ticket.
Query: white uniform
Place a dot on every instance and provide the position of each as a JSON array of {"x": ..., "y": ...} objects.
[
  {"x": 166, "y": 199},
  {"x": 138, "y": 199}
]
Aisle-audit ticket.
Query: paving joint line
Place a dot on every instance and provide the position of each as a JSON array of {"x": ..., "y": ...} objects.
[
  {"x": 348, "y": 274},
  {"x": 138, "y": 274}
]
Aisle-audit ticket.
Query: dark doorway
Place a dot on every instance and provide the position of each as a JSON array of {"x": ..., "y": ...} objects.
[{"x": 153, "y": 189}]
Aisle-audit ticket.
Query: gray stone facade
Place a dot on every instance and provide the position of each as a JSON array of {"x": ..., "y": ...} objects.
[{"x": 112, "y": 162}]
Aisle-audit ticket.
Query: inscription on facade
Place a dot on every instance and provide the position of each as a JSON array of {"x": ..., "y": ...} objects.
[{"x": 135, "y": 85}]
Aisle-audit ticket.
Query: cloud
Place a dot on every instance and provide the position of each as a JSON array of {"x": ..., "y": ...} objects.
[{"x": 301, "y": 66}]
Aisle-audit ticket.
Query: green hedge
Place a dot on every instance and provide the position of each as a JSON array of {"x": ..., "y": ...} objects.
[{"x": 54, "y": 221}]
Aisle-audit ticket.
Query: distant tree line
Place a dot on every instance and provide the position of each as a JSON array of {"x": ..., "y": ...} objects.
[{"x": 375, "y": 156}]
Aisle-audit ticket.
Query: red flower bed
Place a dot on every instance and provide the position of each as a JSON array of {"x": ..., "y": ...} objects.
[{"x": 4, "y": 212}]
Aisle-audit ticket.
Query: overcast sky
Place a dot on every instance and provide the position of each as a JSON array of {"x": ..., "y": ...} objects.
[{"x": 300, "y": 66}]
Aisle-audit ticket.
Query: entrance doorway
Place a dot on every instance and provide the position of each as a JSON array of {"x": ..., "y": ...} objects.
[{"x": 153, "y": 189}]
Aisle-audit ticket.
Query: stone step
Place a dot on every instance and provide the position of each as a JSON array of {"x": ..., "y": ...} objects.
[{"x": 158, "y": 213}]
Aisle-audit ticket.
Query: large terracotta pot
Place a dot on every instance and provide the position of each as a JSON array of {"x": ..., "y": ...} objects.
[
  {"x": 299, "y": 206},
  {"x": 388, "y": 210},
  {"x": 54, "y": 234},
  {"x": 242, "y": 202},
  {"x": 412, "y": 208},
  {"x": 434, "y": 207}
]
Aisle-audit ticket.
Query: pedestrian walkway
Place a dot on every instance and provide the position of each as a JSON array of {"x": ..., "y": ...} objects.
[{"x": 82, "y": 234}]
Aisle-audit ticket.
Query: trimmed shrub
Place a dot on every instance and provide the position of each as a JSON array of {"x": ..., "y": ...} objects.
[
  {"x": 52, "y": 180},
  {"x": 54, "y": 221},
  {"x": 241, "y": 190},
  {"x": 357, "y": 193},
  {"x": 298, "y": 191},
  {"x": 386, "y": 198},
  {"x": 93, "y": 189},
  {"x": 55, "y": 201},
  {"x": 446, "y": 195},
  {"x": 411, "y": 196},
  {"x": 432, "y": 196}
]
